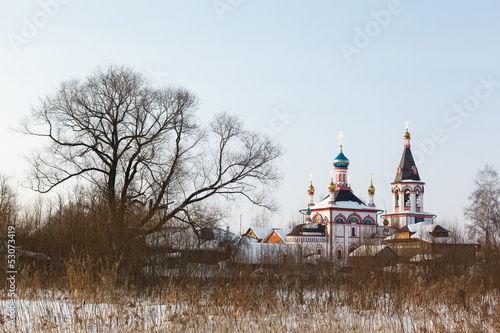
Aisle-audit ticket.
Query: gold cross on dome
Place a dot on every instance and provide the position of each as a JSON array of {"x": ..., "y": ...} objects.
[
  {"x": 331, "y": 173},
  {"x": 341, "y": 136},
  {"x": 371, "y": 176},
  {"x": 311, "y": 176},
  {"x": 407, "y": 125}
]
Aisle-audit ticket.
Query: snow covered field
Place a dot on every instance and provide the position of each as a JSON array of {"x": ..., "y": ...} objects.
[{"x": 283, "y": 311}]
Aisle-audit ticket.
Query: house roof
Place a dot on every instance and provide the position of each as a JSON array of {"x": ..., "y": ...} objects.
[
  {"x": 404, "y": 229},
  {"x": 344, "y": 199},
  {"x": 407, "y": 163},
  {"x": 346, "y": 195},
  {"x": 308, "y": 229},
  {"x": 259, "y": 232},
  {"x": 424, "y": 230},
  {"x": 379, "y": 233},
  {"x": 372, "y": 250},
  {"x": 280, "y": 232}
]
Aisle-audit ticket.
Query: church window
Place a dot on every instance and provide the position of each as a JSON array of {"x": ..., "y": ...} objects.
[
  {"x": 399, "y": 170},
  {"x": 407, "y": 197},
  {"x": 339, "y": 254},
  {"x": 396, "y": 194},
  {"x": 351, "y": 249},
  {"x": 319, "y": 252},
  {"x": 353, "y": 232},
  {"x": 414, "y": 170},
  {"x": 418, "y": 199}
]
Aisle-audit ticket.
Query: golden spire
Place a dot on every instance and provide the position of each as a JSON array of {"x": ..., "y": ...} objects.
[
  {"x": 310, "y": 190},
  {"x": 407, "y": 134},
  {"x": 331, "y": 186},
  {"x": 371, "y": 189},
  {"x": 340, "y": 136}
]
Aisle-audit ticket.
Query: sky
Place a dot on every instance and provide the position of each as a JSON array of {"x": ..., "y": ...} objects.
[{"x": 300, "y": 71}]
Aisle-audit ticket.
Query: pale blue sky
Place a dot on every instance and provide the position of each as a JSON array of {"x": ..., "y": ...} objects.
[{"x": 261, "y": 58}]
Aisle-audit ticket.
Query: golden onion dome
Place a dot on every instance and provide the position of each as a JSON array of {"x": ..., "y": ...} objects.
[
  {"x": 371, "y": 189},
  {"x": 386, "y": 222},
  {"x": 310, "y": 190},
  {"x": 331, "y": 186},
  {"x": 407, "y": 134}
]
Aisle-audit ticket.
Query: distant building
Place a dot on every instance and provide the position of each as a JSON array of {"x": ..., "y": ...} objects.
[
  {"x": 257, "y": 233},
  {"x": 339, "y": 223},
  {"x": 277, "y": 236},
  {"x": 374, "y": 255},
  {"x": 407, "y": 192},
  {"x": 426, "y": 241}
]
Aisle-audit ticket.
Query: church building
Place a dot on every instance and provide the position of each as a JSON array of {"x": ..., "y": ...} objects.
[{"x": 338, "y": 224}]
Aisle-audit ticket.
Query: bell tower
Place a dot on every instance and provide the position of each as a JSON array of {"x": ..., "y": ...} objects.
[{"x": 407, "y": 191}]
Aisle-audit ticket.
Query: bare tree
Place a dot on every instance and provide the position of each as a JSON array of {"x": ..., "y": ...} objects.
[
  {"x": 484, "y": 208},
  {"x": 295, "y": 218},
  {"x": 8, "y": 204},
  {"x": 261, "y": 219},
  {"x": 145, "y": 153}
]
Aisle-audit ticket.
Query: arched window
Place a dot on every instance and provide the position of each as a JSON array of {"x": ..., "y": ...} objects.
[
  {"x": 351, "y": 249},
  {"x": 339, "y": 254},
  {"x": 396, "y": 193},
  {"x": 353, "y": 232},
  {"x": 407, "y": 197},
  {"x": 418, "y": 199}
]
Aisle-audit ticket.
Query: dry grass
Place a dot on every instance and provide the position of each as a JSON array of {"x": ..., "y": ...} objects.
[
  {"x": 89, "y": 296},
  {"x": 96, "y": 282}
]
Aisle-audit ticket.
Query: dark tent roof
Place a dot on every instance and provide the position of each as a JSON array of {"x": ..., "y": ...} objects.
[
  {"x": 439, "y": 228},
  {"x": 407, "y": 163},
  {"x": 404, "y": 229},
  {"x": 303, "y": 229},
  {"x": 346, "y": 195}
]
